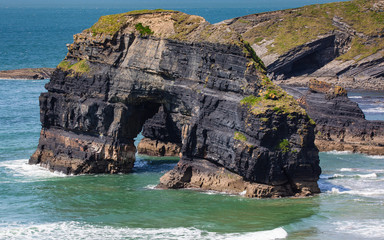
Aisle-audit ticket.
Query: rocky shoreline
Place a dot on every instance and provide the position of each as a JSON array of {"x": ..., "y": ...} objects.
[
  {"x": 340, "y": 123},
  {"x": 27, "y": 73}
]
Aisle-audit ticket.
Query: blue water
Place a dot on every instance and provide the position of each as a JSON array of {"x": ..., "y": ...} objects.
[
  {"x": 38, "y": 204},
  {"x": 371, "y": 101}
]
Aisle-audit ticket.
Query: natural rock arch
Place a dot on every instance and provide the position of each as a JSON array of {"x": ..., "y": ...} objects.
[{"x": 238, "y": 131}]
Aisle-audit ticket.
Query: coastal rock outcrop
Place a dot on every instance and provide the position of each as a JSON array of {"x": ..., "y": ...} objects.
[
  {"x": 340, "y": 123},
  {"x": 341, "y": 43},
  {"x": 27, "y": 73},
  {"x": 195, "y": 85}
]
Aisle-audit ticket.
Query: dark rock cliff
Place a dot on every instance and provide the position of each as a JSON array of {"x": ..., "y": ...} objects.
[
  {"x": 196, "y": 85},
  {"x": 340, "y": 123}
]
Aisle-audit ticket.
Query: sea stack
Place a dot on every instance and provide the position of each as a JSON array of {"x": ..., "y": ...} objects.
[{"x": 203, "y": 87}]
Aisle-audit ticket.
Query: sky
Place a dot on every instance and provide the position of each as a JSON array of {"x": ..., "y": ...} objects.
[{"x": 151, "y": 4}]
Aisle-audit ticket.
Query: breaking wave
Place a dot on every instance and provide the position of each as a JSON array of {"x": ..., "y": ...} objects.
[{"x": 76, "y": 230}]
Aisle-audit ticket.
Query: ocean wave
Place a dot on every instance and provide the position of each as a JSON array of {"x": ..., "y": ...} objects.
[
  {"x": 339, "y": 152},
  {"x": 334, "y": 191},
  {"x": 21, "y": 168},
  {"x": 374, "y": 110},
  {"x": 355, "y": 97},
  {"x": 337, "y": 175},
  {"x": 367, "y": 229},
  {"x": 75, "y": 230},
  {"x": 361, "y": 170},
  {"x": 375, "y": 156},
  {"x": 370, "y": 192},
  {"x": 349, "y": 170},
  {"x": 369, "y": 175}
]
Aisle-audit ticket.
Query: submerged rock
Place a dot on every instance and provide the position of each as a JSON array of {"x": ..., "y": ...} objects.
[{"x": 195, "y": 85}]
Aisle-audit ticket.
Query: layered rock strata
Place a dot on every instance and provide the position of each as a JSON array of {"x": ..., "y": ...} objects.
[
  {"x": 340, "y": 123},
  {"x": 204, "y": 88},
  {"x": 341, "y": 43}
]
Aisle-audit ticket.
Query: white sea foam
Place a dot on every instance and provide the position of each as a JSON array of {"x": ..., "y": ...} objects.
[
  {"x": 337, "y": 175},
  {"x": 369, "y": 175},
  {"x": 365, "y": 229},
  {"x": 361, "y": 170},
  {"x": 375, "y": 110},
  {"x": 21, "y": 168},
  {"x": 334, "y": 191},
  {"x": 151, "y": 187},
  {"x": 75, "y": 230},
  {"x": 355, "y": 97},
  {"x": 348, "y": 170},
  {"x": 375, "y": 156},
  {"x": 339, "y": 152},
  {"x": 370, "y": 192}
]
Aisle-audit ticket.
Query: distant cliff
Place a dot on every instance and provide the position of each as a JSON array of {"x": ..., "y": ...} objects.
[
  {"x": 194, "y": 85},
  {"x": 342, "y": 43},
  {"x": 340, "y": 123},
  {"x": 27, "y": 73}
]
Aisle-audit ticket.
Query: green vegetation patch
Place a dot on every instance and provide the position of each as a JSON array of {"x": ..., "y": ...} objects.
[
  {"x": 64, "y": 65},
  {"x": 109, "y": 24},
  {"x": 271, "y": 98},
  {"x": 184, "y": 24},
  {"x": 284, "y": 146},
  {"x": 144, "y": 31},
  {"x": 250, "y": 100},
  {"x": 239, "y": 136},
  {"x": 80, "y": 67},
  {"x": 258, "y": 63},
  {"x": 361, "y": 49}
]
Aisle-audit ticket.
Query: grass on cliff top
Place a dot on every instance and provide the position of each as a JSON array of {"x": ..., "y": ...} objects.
[
  {"x": 111, "y": 24},
  {"x": 272, "y": 98},
  {"x": 184, "y": 24},
  {"x": 360, "y": 49},
  {"x": 80, "y": 67},
  {"x": 298, "y": 26}
]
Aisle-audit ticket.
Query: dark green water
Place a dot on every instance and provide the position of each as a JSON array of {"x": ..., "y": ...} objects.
[{"x": 38, "y": 204}]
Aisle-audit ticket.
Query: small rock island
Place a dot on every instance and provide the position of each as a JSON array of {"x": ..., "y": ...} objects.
[{"x": 194, "y": 88}]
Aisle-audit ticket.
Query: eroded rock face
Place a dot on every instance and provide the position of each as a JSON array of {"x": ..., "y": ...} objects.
[
  {"x": 340, "y": 123},
  {"x": 196, "y": 85}
]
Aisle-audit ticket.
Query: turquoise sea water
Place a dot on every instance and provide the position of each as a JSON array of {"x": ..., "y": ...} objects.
[{"x": 38, "y": 204}]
